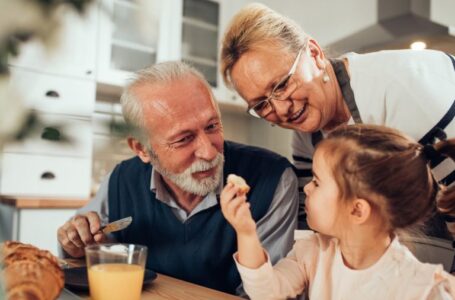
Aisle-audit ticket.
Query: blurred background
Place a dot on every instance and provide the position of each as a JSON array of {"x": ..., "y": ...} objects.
[{"x": 67, "y": 61}]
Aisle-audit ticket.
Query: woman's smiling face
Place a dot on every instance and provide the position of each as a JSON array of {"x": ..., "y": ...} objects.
[{"x": 307, "y": 106}]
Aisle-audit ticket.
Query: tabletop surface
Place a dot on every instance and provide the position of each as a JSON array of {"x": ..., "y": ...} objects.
[{"x": 166, "y": 287}]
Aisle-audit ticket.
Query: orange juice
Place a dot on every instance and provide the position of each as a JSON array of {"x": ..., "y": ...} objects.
[{"x": 115, "y": 281}]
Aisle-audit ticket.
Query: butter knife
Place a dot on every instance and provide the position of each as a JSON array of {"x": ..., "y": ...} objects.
[{"x": 117, "y": 225}]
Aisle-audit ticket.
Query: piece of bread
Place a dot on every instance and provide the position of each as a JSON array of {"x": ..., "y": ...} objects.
[
  {"x": 30, "y": 273},
  {"x": 239, "y": 182}
]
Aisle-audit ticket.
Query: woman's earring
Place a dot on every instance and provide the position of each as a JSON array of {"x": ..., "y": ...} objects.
[{"x": 325, "y": 77}]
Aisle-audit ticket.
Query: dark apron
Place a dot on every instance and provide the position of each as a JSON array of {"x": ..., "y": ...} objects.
[{"x": 436, "y": 226}]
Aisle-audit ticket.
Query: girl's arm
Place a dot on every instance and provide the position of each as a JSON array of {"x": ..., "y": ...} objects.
[
  {"x": 287, "y": 279},
  {"x": 237, "y": 212},
  {"x": 250, "y": 252}
]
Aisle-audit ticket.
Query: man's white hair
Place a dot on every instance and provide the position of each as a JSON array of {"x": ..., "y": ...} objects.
[{"x": 158, "y": 74}]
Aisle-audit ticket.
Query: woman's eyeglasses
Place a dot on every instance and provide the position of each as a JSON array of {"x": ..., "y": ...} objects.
[{"x": 281, "y": 91}]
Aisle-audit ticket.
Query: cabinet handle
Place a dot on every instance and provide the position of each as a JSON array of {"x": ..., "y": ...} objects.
[
  {"x": 52, "y": 94},
  {"x": 51, "y": 134},
  {"x": 47, "y": 175}
]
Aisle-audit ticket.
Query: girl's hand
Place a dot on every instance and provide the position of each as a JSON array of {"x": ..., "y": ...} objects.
[{"x": 236, "y": 210}]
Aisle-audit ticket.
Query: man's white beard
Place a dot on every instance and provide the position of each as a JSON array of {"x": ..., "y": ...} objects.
[{"x": 185, "y": 180}]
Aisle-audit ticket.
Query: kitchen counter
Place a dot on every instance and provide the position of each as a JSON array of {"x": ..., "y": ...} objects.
[
  {"x": 23, "y": 202},
  {"x": 36, "y": 220}
]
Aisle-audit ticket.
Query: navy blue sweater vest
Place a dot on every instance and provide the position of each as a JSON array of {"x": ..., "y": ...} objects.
[{"x": 200, "y": 249}]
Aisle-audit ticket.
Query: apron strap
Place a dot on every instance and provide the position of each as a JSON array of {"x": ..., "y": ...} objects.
[
  {"x": 316, "y": 137},
  {"x": 344, "y": 82},
  {"x": 438, "y": 130},
  {"x": 348, "y": 95}
]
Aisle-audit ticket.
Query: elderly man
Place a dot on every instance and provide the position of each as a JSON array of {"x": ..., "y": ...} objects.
[{"x": 171, "y": 187}]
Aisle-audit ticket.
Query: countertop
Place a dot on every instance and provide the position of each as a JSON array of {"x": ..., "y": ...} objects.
[{"x": 40, "y": 202}]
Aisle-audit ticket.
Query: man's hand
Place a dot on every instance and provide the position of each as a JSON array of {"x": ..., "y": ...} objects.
[{"x": 80, "y": 231}]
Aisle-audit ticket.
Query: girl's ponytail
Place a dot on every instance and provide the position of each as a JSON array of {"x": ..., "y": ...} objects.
[{"x": 446, "y": 196}]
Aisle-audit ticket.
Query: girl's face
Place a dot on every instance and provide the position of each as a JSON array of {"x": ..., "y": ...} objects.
[{"x": 322, "y": 205}]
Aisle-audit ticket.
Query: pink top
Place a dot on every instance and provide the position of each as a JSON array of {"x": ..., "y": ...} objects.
[{"x": 315, "y": 266}]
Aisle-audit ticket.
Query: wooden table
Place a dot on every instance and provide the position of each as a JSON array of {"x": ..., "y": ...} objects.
[{"x": 166, "y": 287}]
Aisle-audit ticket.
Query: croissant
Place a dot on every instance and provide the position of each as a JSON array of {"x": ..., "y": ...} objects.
[{"x": 30, "y": 273}]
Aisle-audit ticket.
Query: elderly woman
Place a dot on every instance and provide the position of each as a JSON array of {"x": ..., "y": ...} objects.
[{"x": 286, "y": 79}]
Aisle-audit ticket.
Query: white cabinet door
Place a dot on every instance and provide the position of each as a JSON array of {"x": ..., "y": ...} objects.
[
  {"x": 203, "y": 23},
  {"x": 54, "y": 94},
  {"x": 228, "y": 9},
  {"x": 45, "y": 176},
  {"x": 73, "y": 51},
  {"x": 188, "y": 30},
  {"x": 57, "y": 135},
  {"x": 133, "y": 36},
  {"x": 200, "y": 32},
  {"x": 39, "y": 226}
]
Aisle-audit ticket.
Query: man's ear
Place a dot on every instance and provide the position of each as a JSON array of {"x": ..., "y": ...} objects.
[
  {"x": 360, "y": 211},
  {"x": 139, "y": 149},
  {"x": 317, "y": 53}
]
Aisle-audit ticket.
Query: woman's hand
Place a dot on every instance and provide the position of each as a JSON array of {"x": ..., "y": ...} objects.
[{"x": 236, "y": 210}]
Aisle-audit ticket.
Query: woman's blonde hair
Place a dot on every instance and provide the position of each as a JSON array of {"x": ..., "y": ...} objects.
[{"x": 254, "y": 25}]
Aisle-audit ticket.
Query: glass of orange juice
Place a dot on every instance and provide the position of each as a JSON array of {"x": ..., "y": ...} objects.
[{"x": 115, "y": 271}]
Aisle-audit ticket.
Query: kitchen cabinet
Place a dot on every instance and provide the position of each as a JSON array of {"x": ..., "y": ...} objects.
[
  {"x": 58, "y": 135},
  {"x": 47, "y": 221},
  {"x": 187, "y": 30},
  {"x": 228, "y": 9},
  {"x": 58, "y": 84},
  {"x": 36, "y": 220},
  {"x": 44, "y": 164},
  {"x": 72, "y": 53},
  {"x": 134, "y": 35},
  {"x": 54, "y": 94},
  {"x": 43, "y": 175},
  {"x": 200, "y": 32},
  {"x": 54, "y": 160}
]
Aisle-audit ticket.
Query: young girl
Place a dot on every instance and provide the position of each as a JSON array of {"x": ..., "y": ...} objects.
[{"x": 368, "y": 182}]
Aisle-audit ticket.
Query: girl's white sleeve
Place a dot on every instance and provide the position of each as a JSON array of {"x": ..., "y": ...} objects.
[
  {"x": 287, "y": 279},
  {"x": 444, "y": 289}
]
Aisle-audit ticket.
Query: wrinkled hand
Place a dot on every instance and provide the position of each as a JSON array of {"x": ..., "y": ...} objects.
[
  {"x": 80, "y": 231},
  {"x": 236, "y": 210}
]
